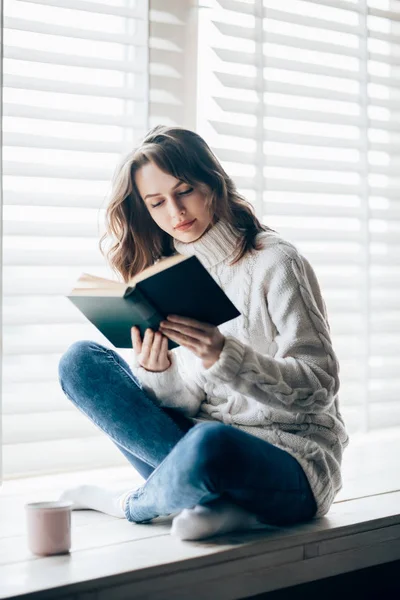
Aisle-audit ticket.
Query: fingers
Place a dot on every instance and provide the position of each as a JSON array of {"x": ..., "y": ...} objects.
[
  {"x": 190, "y": 322},
  {"x": 136, "y": 340},
  {"x": 195, "y": 335},
  {"x": 164, "y": 346},
  {"x": 154, "y": 351},
  {"x": 146, "y": 346},
  {"x": 156, "y": 346}
]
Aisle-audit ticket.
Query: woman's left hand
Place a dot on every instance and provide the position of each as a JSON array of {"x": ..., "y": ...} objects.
[{"x": 203, "y": 339}]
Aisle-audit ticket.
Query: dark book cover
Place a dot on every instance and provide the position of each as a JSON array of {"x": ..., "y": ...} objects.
[
  {"x": 115, "y": 316},
  {"x": 186, "y": 289}
]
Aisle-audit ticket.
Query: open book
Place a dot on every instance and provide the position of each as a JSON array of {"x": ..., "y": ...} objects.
[{"x": 176, "y": 285}]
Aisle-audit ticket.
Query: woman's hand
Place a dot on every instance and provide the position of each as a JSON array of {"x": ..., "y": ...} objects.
[
  {"x": 152, "y": 353},
  {"x": 203, "y": 339}
]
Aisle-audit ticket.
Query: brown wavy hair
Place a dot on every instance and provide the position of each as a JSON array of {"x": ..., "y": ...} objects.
[{"x": 136, "y": 240}]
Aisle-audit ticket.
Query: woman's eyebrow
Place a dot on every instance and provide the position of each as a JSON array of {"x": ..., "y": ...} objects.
[{"x": 158, "y": 193}]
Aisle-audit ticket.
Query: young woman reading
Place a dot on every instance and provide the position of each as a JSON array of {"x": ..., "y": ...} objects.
[{"x": 240, "y": 425}]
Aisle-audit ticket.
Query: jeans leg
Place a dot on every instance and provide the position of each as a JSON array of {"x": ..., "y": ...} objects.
[
  {"x": 142, "y": 467},
  {"x": 214, "y": 460},
  {"x": 100, "y": 383}
]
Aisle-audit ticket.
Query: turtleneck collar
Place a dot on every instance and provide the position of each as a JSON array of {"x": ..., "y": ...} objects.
[{"x": 214, "y": 246}]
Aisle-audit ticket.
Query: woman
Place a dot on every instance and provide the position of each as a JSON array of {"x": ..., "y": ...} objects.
[{"x": 240, "y": 425}]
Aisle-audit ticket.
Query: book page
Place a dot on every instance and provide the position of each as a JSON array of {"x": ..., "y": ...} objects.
[
  {"x": 92, "y": 283},
  {"x": 112, "y": 292},
  {"x": 87, "y": 278}
]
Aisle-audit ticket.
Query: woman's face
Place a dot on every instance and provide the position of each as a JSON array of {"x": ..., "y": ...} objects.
[{"x": 171, "y": 202}]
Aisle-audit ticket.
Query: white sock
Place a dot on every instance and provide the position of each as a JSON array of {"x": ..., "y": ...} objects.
[
  {"x": 205, "y": 521},
  {"x": 105, "y": 500}
]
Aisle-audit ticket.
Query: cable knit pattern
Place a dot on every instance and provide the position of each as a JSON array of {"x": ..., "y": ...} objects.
[
  {"x": 277, "y": 376},
  {"x": 319, "y": 322}
]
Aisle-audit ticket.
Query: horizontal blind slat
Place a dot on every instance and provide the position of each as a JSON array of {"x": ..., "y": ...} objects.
[
  {"x": 72, "y": 60},
  {"x": 53, "y": 114},
  {"x": 96, "y": 7},
  {"x": 391, "y": 59},
  {"x": 384, "y": 14},
  {"x": 19, "y": 287},
  {"x": 51, "y": 229},
  {"x": 390, "y": 38},
  {"x": 12, "y": 198},
  {"x": 292, "y": 138},
  {"x": 390, "y": 82},
  {"x": 383, "y": 103},
  {"x": 321, "y": 233},
  {"x": 391, "y": 214},
  {"x": 138, "y": 40},
  {"x": 293, "y": 185},
  {"x": 277, "y": 87},
  {"x": 28, "y": 140},
  {"x": 247, "y": 8},
  {"x": 389, "y": 126},
  {"x": 288, "y": 162},
  {"x": 342, "y": 4},
  {"x": 391, "y": 192},
  {"x": 64, "y": 87},
  {"x": 385, "y": 237},
  {"x": 271, "y": 110},
  {"x": 312, "y": 22},
  {"x": 291, "y": 17},
  {"x": 245, "y": 131},
  {"x": 11, "y": 168},
  {"x": 392, "y": 149},
  {"x": 16, "y": 257},
  {"x": 272, "y": 62},
  {"x": 293, "y": 209},
  {"x": 238, "y": 31},
  {"x": 390, "y": 170}
]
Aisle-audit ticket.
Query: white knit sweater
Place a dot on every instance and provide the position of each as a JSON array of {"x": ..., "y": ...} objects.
[{"x": 277, "y": 376}]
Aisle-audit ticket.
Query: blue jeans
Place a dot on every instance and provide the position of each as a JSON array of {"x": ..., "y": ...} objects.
[{"x": 183, "y": 464}]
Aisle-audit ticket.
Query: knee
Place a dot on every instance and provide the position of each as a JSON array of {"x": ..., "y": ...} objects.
[
  {"x": 74, "y": 360},
  {"x": 210, "y": 444}
]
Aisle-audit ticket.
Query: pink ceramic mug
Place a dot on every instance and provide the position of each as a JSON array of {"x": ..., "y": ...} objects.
[{"x": 49, "y": 527}]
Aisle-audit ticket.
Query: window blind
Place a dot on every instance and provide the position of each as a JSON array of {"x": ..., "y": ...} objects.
[
  {"x": 75, "y": 97},
  {"x": 300, "y": 101},
  {"x": 173, "y": 51},
  {"x": 383, "y": 98}
]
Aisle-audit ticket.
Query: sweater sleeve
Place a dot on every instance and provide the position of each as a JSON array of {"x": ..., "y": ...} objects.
[
  {"x": 169, "y": 389},
  {"x": 303, "y": 375}
]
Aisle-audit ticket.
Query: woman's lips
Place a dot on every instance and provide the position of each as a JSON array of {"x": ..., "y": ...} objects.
[{"x": 184, "y": 227}]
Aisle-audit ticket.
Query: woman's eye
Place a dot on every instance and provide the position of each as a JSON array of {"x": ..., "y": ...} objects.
[{"x": 186, "y": 192}]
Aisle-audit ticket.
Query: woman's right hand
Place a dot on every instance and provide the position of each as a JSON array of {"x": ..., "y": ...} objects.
[{"x": 152, "y": 353}]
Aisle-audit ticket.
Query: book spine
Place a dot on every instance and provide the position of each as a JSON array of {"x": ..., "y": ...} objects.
[{"x": 144, "y": 308}]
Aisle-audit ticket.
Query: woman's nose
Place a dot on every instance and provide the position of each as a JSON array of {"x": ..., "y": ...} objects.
[{"x": 175, "y": 207}]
